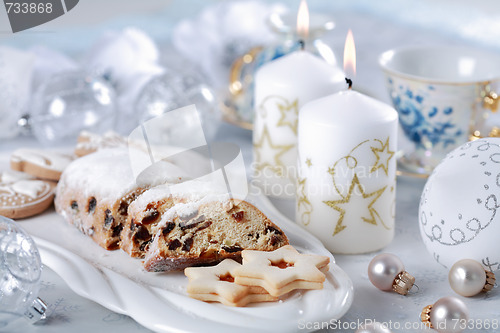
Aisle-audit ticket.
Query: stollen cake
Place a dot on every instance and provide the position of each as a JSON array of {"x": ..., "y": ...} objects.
[
  {"x": 208, "y": 231},
  {"x": 95, "y": 191},
  {"x": 161, "y": 215}
]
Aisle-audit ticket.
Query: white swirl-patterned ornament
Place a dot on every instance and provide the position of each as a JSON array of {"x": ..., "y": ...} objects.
[{"x": 459, "y": 210}]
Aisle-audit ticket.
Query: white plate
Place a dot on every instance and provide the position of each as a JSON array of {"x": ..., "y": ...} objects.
[{"x": 159, "y": 302}]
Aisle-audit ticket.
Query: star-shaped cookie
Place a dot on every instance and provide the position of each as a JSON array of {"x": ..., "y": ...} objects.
[
  {"x": 282, "y": 270},
  {"x": 216, "y": 284}
]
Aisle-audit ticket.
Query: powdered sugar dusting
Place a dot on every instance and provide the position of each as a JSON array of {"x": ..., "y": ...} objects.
[
  {"x": 161, "y": 172},
  {"x": 192, "y": 191},
  {"x": 152, "y": 195},
  {"x": 91, "y": 174},
  {"x": 93, "y": 141},
  {"x": 188, "y": 209}
]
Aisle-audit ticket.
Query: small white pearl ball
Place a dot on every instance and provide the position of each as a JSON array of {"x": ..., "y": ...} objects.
[
  {"x": 383, "y": 269},
  {"x": 374, "y": 327},
  {"x": 447, "y": 314},
  {"x": 467, "y": 277}
]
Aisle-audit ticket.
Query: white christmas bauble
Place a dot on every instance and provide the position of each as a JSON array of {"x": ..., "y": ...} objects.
[{"x": 459, "y": 210}]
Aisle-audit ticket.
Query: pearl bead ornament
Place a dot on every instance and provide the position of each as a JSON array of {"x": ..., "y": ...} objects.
[
  {"x": 387, "y": 272},
  {"x": 446, "y": 315},
  {"x": 468, "y": 277}
]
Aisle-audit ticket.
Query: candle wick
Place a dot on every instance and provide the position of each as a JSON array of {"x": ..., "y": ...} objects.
[
  {"x": 302, "y": 44},
  {"x": 349, "y": 82}
]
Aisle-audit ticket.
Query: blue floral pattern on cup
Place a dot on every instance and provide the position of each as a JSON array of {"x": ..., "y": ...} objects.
[{"x": 424, "y": 124}]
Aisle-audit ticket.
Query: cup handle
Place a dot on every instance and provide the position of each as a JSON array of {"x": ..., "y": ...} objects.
[
  {"x": 490, "y": 100},
  {"x": 235, "y": 84},
  {"x": 495, "y": 132}
]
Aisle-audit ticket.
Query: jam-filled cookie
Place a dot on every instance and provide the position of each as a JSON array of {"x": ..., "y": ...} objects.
[
  {"x": 216, "y": 284},
  {"x": 282, "y": 271}
]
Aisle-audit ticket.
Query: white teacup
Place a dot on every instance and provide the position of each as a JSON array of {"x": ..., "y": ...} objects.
[{"x": 444, "y": 95}]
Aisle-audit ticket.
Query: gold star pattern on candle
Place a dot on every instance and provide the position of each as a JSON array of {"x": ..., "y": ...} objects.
[
  {"x": 289, "y": 115},
  {"x": 265, "y": 143},
  {"x": 382, "y": 155},
  {"x": 303, "y": 204},
  {"x": 337, "y": 204},
  {"x": 308, "y": 162}
]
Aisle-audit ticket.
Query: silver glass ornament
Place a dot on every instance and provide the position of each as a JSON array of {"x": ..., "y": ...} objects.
[
  {"x": 70, "y": 102},
  {"x": 20, "y": 271}
]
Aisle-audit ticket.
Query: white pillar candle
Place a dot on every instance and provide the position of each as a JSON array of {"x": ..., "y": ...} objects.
[
  {"x": 347, "y": 171},
  {"x": 281, "y": 88}
]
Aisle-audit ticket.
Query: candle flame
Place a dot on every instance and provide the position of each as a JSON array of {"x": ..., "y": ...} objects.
[
  {"x": 303, "y": 20},
  {"x": 350, "y": 56}
]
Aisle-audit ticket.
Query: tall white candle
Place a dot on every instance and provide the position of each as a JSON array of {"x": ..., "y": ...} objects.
[
  {"x": 282, "y": 87},
  {"x": 347, "y": 171}
]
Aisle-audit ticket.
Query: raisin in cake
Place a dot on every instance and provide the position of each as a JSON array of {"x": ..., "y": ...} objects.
[
  {"x": 95, "y": 191},
  {"x": 208, "y": 231}
]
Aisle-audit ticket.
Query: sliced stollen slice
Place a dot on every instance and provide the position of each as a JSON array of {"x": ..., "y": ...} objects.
[
  {"x": 40, "y": 163},
  {"x": 281, "y": 271},
  {"x": 147, "y": 210},
  {"x": 208, "y": 231},
  {"x": 143, "y": 214},
  {"x": 22, "y": 196},
  {"x": 216, "y": 284},
  {"x": 95, "y": 191}
]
